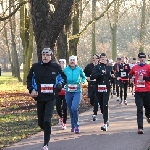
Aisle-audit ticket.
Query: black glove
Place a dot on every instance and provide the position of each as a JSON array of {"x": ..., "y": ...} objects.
[{"x": 58, "y": 88}]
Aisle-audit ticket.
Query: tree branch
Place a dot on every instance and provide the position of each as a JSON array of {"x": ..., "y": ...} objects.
[
  {"x": 90, "y": 22},
  {"x": 12, "y": 13}
]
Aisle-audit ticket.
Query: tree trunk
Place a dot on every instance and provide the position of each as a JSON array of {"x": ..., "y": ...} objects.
[
  {"x": 62, "y": 49},
  {"x": 75, "y": 27},
  {"x": 142, "y": 30},
  {"x": 114, "y": 41},
  {"x": 15, "y": 61},
  {"x": 93, "y": 27},
  {"x": 47, "y": 27},
  {"x": 26, "y": 34}
]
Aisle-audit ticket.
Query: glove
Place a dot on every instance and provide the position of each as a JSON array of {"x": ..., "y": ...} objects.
[{"x": 58, "y": 88}]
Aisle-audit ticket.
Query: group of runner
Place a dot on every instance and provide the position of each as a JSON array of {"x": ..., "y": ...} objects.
[{"x": 48, "y": 81}]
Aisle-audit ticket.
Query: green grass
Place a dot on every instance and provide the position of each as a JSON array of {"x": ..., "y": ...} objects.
[{"x": 18, "y": 116}]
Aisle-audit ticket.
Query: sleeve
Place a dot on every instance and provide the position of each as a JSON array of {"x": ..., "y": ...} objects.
[
  {"x": 148, "y": 77},
  {"x": 82, "y": 75},
  {"x": 64, "y": 77},
  {"x": 31, "y": 84},
  {"x": 96, "y": 74},
  {"x": 86, "y": 70},
  {"x": 131, "y": 73}
]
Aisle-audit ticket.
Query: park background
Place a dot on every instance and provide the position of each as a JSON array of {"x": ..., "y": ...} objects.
[{"x": 68, "y": 27}]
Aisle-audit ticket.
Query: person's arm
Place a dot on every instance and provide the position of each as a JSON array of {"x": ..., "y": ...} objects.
[
  {"x": 31, "y": 80},
  {"x": 148, "y": 77},
  {"x": 31, "y": 84},
  {"x": 86, "y": 70},
  {"x": 96, "y": 74},
  {"x": 82, "y": 75}
]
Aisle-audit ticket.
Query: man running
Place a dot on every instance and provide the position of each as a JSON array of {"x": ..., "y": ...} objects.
[
  {"x": 92, "y": 85},
  {"x": 123, "y": 78},
  {"x": 102, "y": 74},
  {"x": 141, "y": 72}
]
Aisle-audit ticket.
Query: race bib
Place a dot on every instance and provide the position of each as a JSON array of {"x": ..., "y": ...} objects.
[
  {"x": 140, "y": 83},
  {"x": 72, "y": 87},
  {"x": 123, "y": 74},
  {"x": 47, "y": 88},
  {"x": 102, "y": 88}
]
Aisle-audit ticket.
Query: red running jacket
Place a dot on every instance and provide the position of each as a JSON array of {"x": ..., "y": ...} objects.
[{"x": 143, "y": 86}]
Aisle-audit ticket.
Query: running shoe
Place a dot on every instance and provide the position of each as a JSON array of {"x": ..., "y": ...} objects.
[
  {"x": 72, "y": 129},
  {"x": 117, "y": 99},
  {"x": 60, "y": 121},
  {"x": 94, "y": 118},
  {"x": 76, "y": 130},
  {"x": 107, "y": 123},
  {"x": 104, "y": 127},
  {"x": 120, "y": 102},
  {"x": 63, "y": 126},
  {"x": 140, "y": 131},
  {"x": 148, "y": 120},
  {"x": 114, "y": 92},
  {"x": 45, "y": 147},
  {"x": 125, "y": 102}
]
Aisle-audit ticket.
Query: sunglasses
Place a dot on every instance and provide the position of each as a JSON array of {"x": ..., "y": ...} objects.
[
  {"x": 45, "y": 54},
  {"x": 142, "y": 57}
]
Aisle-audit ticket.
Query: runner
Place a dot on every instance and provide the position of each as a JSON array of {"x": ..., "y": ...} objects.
[
  {"x": 142, "y": 90},
  {"x": 75, "y": 79},
  {"x": 123, "y": 78},
  {"x": 61, "y": 105},
  {"x": 92, "y": 85},
  {"x": 133, "y": 63},
  {"x": 41, "y": 80},
  {"x": 116, "y": 73},
  {"x": 102, "y": 74}
]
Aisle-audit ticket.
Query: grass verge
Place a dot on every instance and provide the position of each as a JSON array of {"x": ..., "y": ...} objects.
[{"x": 18, "y": 119}]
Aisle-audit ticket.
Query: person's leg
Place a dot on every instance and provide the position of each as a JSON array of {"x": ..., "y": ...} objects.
[
  {"x": 75, "y": 108},
  {"x": 139, "y": 104},
  {"x": 49, "y": 107},
  {"x": 147, "y": 106},
  {"x": 58, "y": 106},
  {"x": 105, "y": 106},
  {"x": 64, "y": 108},
  {"x": 125, "y": 89},
  {"x": 121, "y": 89},
  {"x": 100, "y": 100},
  {"x": 90, "y": 94},
  {"x": 40, "y": 113},
  {"x": 69, "y": 99},
  {"x": 117, "y": 88}
]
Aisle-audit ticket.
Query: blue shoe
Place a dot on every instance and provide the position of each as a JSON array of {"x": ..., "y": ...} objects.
[
  {"x": 72, "y": 129},
  {"x": 76, "y": 130}
]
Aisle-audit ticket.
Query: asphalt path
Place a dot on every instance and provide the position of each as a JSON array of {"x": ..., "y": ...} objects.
[{"x": 121, "y": 134}]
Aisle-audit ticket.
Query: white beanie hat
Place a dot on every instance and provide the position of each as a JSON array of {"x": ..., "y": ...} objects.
[
  {"x": 110, "y": 61},
  {"x": 73, "y": 57},
  {"x": 64, "y": 60}
]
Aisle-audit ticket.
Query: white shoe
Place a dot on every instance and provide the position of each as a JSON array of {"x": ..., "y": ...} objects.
[
  {"x": 104, "y": 127},
  {"x": 45, "y": 147},
  {"x": 64, "y": 126},
  {"x": 60, "y": 121},
  {"x": 118, "y": 99}
]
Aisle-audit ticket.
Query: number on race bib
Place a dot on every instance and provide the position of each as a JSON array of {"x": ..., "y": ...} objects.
[
  {"x": 140, "y": 83},
  {"x": 72, "y": 87},
  {"x": 102, "y": 88},
  {"x": 47, "y": 88}
]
